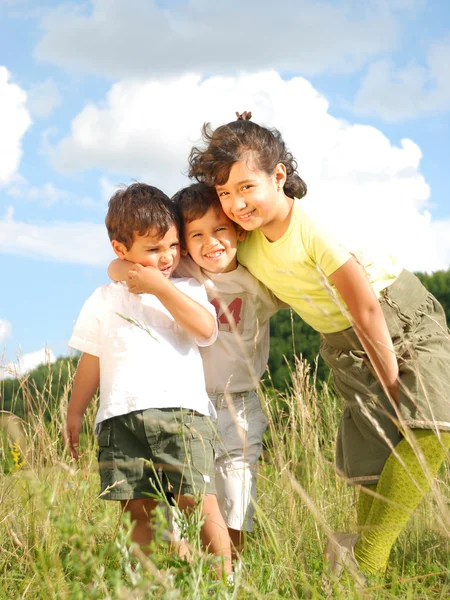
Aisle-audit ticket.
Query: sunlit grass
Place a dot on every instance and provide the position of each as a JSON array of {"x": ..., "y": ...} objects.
[{"x": 58, "y": 540}]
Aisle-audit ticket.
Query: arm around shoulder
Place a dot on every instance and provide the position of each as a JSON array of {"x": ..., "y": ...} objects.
[
  {"x": 118, "y": 269},
  {"x": 192, "y": 312}
]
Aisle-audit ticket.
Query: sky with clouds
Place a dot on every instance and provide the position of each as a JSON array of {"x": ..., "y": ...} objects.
[{"x": 103, "y": 92}]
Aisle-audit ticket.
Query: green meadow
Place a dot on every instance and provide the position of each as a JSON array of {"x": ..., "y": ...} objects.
[{"x": 59, "y": 540}]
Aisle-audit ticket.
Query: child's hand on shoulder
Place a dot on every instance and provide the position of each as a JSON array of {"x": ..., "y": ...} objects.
[{"x": 145, "y": 280}]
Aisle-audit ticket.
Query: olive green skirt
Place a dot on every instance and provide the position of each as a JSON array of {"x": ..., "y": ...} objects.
[{"x": 370, "y": 426}]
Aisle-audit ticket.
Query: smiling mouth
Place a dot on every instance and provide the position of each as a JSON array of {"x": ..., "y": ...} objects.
[
  {"x": 215, "y": 254},
  {"x": 166, "y": 271},
  {"x": 245, "y": 216}
]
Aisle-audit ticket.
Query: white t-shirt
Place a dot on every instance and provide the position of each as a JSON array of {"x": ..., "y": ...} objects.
[
  {"x": 238, "y": 359},
  {"x": 147, "y": 360}
]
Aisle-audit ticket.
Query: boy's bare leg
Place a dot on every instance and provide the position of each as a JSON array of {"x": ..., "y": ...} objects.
[
  {"x": 182, "y": 549},
  {"x": 237, "y": 542},
  {"x": 140, "y": 511},
  {"x": 214, "y": 532},
  {"x": 177, "y": 543}
]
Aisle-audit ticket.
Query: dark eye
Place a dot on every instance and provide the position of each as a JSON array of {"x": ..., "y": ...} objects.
[{"x": 175, "y": 245}]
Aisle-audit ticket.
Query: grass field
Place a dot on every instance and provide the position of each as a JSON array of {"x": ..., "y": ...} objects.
[{"x": 58, "y": 540}]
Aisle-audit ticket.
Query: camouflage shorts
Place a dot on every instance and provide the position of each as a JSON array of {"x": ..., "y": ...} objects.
[
  {"x": 156, "y": 450},
  {"x": 370, "y": 426}
]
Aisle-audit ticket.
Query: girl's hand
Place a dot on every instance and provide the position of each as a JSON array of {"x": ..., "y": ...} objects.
[{"x": 145, "y": 280}]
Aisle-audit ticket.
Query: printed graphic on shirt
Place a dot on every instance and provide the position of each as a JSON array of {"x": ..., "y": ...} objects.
[{"x": 230, "y": 310}]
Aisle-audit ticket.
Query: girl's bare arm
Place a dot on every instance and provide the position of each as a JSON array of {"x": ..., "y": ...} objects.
[{"x": 369, "y": 323}]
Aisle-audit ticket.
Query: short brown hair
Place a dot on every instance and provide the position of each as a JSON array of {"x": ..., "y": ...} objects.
[
  {"x": 230, "y": 143},
  {"x": 194, "y": 201},
  {"x": 137, "y": 209}
]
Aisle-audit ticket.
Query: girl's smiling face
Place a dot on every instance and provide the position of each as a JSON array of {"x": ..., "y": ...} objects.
[{"x": 252, "y": 198}]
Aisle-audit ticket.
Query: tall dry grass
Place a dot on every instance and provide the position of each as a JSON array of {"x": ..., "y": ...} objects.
[{"x": 58, "y": 540}]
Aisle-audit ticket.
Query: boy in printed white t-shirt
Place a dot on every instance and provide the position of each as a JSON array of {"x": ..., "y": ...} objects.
[
  {"x": 234, "y": 364},
  {"x": 153, "y": 424}
]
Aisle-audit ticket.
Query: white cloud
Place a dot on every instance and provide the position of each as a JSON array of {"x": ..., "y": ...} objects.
[
  {"x": 82, "y": 243},
  {"x": 107, "y": 189},
  {"x": 5, "y": 330},
  {"x": 43, "y": 98},
  {"x": 14, "y": 122},
  {"x": 146, "y": 38},
  {"x": 373, "y": 190},
  {"x": 403, "y": 93},
  {"x": 135, "y": 132},
  {"x": 26, "y": 363},
  {"x": 47, "y": 194}
]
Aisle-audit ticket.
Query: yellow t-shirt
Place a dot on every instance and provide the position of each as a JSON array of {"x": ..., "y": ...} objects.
[{"x": 297, "y": 266}]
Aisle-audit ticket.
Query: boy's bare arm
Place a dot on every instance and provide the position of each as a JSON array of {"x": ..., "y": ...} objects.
[
  {"x": 118, "y": 269},
  {"x": 192, "y": 316},
  {"x": 87, "y": 380}
]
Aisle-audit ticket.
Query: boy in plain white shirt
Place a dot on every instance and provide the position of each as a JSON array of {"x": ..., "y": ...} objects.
[
  {"x": 236, "y": 361},
  {"x": 153, "y": 420}
]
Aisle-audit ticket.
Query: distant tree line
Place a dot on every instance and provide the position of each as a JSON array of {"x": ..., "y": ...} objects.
[
  {"x": 43, "y": 385},
  {"x": 290, "y": 336}
]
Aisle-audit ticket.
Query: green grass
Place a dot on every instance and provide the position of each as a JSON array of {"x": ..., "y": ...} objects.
[{"x": 58, "y": 540}]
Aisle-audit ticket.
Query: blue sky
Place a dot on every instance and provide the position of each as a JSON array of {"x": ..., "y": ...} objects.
[{"x": 97, "y": 93}]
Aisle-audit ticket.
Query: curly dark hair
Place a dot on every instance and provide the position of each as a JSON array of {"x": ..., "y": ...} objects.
[
  {"x": 137, "y": 210},
  {"x": 231, "y": 142}
]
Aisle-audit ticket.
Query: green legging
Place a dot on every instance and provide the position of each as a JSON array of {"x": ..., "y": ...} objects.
[{"x": 381, "y": 522}]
